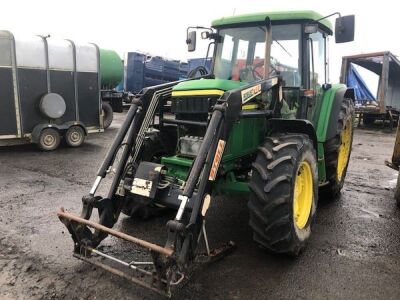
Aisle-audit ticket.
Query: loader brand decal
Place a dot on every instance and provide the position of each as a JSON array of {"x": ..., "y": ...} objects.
[
  {"x": 217, "y": 160},
  {"x": 250, "y": 93},
  {"x": 141, "y": 187}
]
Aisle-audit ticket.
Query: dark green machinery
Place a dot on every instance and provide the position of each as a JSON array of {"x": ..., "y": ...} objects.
[{"x": 265, "y": 123}]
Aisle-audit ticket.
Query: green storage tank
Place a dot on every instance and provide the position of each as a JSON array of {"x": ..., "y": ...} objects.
[{"x": 111, "y": 69}]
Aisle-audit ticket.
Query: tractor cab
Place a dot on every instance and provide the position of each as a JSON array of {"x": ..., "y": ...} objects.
[{"x": 295, "y": 44}]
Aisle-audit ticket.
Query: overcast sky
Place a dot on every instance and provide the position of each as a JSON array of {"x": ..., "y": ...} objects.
[{"x": 159, "y": 27}]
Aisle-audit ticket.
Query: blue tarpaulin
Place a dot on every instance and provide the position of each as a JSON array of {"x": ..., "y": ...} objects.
[{"x": 361, "y": 89}]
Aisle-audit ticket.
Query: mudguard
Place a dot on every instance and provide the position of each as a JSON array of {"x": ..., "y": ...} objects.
[
  {"x": 304, "y": 127},
  {"x": 329, "y": 110},
  {"x": 293, "y": 126}
]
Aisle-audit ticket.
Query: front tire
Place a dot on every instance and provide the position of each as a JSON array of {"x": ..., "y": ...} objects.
[
  {"x": 337, "y": 152},
  {"x": 284, "y": 193}
]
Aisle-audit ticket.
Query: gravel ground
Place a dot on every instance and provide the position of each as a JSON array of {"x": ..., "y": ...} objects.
[{"x": 353, "y": 252}]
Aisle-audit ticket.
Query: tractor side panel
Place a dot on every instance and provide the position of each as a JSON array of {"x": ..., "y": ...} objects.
[{"x": 244, "y": 138}]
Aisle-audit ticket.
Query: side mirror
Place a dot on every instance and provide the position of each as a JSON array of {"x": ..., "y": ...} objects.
[
  {"x": 344, "y": 29},
  {"x": 191, "y": 41}
]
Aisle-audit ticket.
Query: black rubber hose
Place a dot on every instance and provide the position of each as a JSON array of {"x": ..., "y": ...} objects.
[
  {"x": 202, "y": 155},
  {"x": 109, "y": 159}
]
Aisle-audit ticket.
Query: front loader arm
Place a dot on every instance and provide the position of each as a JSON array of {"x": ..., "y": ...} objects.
[
  {"x": 170, "y": 261},
  {"x": 131, "y": 136},
  {"x": 227, "y": 111}
]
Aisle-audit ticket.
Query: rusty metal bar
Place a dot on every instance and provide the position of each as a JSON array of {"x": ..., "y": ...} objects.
[
  {"x": 123, "y": 275},
  {"x": 63, "y": 214},
  {"x": 129, "y": 265}
]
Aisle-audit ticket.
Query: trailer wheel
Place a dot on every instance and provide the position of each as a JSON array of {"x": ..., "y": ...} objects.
[
  {"x": 284, "y": 193},
  {"x": 75, "y": 136},
  {"x": 337, "y": 152},
  {"x": 108, "y": 114},
  {"x": 49, "y": 139}
]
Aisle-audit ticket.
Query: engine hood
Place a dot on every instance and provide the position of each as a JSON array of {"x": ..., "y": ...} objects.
[{"x": 205, "y": 87}]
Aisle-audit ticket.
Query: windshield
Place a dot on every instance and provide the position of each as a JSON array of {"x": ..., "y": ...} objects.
[{"x": 241, "y": 52}]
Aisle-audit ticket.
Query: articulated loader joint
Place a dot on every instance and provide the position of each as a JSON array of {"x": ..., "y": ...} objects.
[
  {"x": 175, "y": 229},
  {"x": 88, "y": 202}
]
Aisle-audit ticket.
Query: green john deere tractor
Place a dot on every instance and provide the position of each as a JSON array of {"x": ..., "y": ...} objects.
[{"x": 264, "y": 123}]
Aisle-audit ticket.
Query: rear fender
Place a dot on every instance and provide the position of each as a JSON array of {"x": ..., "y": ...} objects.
[
  {"x": 329, "y": 112},
  {"x": 293, "y": 126},
  {"x": 302, "y": 127},
  {"x": 326, "y": 118}
]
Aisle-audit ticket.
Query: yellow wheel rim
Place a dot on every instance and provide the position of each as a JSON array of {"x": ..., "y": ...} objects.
[
  {"x": 344, "y": 149},
  {"x": 303, "y": 195}
]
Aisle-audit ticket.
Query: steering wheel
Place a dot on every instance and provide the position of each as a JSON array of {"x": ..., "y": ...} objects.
[
  {"x": 273, "y": 70},
  {"x": 200, "y": 69},
  {"x": 257, "y": 74}
]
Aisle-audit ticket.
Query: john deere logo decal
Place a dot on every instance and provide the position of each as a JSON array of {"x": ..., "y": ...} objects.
[{"x": 250, "y": 93}]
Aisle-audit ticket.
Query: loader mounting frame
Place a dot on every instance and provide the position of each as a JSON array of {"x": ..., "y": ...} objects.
[{"x": 183, "y": 234}]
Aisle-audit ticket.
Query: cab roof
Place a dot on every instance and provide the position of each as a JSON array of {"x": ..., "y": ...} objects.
[{"x": 276, "y": 16}]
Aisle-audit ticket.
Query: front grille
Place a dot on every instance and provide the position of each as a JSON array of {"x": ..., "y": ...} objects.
[{"x": 192, "y": 104}]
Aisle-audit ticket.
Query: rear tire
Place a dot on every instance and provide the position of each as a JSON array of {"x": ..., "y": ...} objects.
[
  {"x": 275, "y": 202},
  {"x": 75, "y": 136},
  {"x": 49, "y": 139},
  {"x": 336, "y": 168},
  {"x": 108, "y": 114}
]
